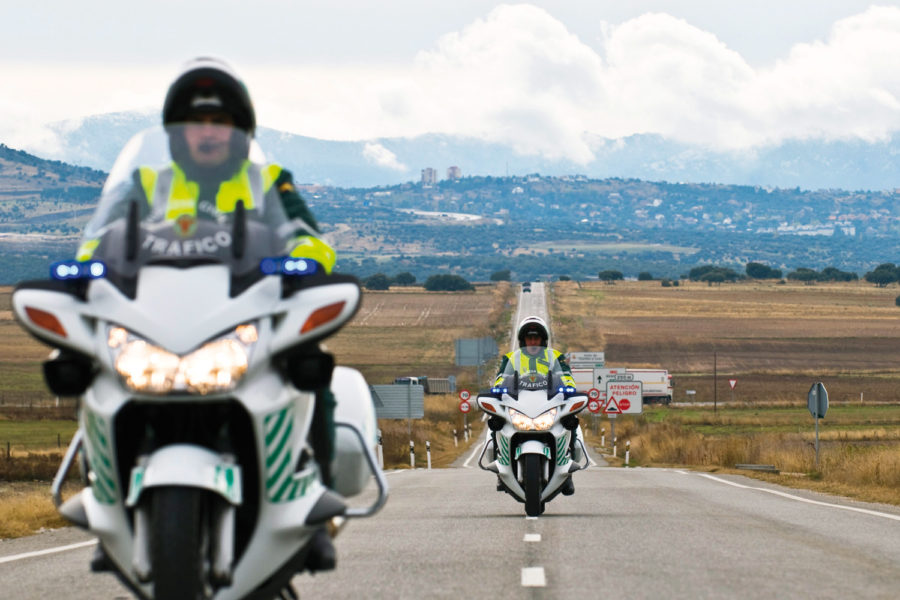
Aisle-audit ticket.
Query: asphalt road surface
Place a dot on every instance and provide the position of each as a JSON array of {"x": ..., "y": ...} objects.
[{"x": 626, "y": 533}]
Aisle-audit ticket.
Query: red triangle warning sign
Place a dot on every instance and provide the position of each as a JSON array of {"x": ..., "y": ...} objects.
[{"x": 612, "y": 407}]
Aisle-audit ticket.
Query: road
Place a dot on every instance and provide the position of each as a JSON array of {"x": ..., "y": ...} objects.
[{"x": 626, "y": 533}]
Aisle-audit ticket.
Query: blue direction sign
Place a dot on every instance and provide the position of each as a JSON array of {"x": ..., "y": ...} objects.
[{"x": 817, "y": 401}]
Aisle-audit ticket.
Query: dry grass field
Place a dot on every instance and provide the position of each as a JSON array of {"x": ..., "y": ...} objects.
[{"x": 775, "y": 340}]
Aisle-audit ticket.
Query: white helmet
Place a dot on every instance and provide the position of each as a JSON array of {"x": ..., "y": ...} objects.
[{"x": 533, "y": 324}]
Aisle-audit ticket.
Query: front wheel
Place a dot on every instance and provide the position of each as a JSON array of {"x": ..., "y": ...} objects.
[
  {"x": 532, "y": 484},
  {"x": 176, "y": 544}
]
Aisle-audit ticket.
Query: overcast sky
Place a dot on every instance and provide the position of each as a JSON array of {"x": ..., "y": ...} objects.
[{"x": 547, "y": 77}]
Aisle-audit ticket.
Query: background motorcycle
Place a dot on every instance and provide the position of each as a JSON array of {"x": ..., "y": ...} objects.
[{"x": 534, "y": 444}]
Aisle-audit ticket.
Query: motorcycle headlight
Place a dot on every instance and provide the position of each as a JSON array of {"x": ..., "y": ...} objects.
[
  {"x": 541, "y": 423},
  {"x": 217, "y": 366}
]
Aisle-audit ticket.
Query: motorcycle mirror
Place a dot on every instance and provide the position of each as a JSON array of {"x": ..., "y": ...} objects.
[
  {"x": 310, "y": 372},
  {"x": 68, "y": 374}
]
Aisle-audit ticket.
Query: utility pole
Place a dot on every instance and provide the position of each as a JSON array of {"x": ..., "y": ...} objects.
[{"x": 715, "y": 384}]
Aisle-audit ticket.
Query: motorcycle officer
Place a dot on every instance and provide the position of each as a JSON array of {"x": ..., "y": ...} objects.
[
  {"x": 534, "y": 354},
  {"x": 211, "y": 121},
  {"x": 533, "y": 337}
]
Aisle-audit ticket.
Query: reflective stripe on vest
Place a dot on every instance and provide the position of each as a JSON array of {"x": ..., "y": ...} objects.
[
  {"x": 539, "y": 363},
  {"x": 170, "y": 193}
]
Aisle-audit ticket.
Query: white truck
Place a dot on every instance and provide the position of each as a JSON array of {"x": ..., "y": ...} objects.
[{"x": 657, "y": 384}]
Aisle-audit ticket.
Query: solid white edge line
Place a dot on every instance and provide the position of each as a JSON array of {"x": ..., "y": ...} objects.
[
  {"x": 533, "y": 577},
  {"x": 532, "y": 537},
  {"x": 864, "y": 511},
  {"x": 7, "y": 559}
]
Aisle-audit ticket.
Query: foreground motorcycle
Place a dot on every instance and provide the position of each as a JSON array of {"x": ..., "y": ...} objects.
[
  {"x": 534, "y": 442},
  {"x": 194, "y": 349}
]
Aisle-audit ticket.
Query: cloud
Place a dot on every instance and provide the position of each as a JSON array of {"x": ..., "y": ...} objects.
[
  {"x": 381, "y": 156},
  {"x": 519, "y": 76}
]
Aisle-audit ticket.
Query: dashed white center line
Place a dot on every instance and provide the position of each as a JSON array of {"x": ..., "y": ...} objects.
[
  {"x": 532, "y": 537},
  {"x": 533, "y": 577}
]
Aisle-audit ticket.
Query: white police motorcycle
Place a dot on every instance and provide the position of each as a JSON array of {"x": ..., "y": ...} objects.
[
  {"x": 194, "y": 349},
  {"x": 534, "y": 442}
]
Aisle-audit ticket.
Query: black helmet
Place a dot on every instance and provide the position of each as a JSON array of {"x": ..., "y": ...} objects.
[
  {"x": 208, "y": 84},
  {"x": 533, "y": 325}
]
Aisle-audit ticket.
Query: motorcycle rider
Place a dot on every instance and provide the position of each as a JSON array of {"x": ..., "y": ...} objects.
[
  {"x": 533, "y": 337},
  {"x": 535, "y": 354},
  {"x": 210, "y": 119}
]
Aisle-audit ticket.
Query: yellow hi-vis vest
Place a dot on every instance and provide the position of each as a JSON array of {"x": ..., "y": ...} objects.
[
  {"x": 538, "y": 363},
  {"x": 171, "y": 195}
]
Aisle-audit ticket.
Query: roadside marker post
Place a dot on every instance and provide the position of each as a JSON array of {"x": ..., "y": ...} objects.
[
  {"x": 428, "y": 453},
  {"x": 412, "y": 454},
  {"x": 455, "y": 439},
  {"x": 380, "y": 450},
  {"x": 627, "y": 452}
]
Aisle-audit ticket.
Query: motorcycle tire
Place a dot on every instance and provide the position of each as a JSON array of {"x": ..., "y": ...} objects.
[
  {"x": 176, "y": 544},
  {"x": 532, "y": 481}
]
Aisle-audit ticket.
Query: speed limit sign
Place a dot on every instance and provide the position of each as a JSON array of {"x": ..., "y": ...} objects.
[
  {"x": 594, "y": 406},
  {"x": 464, "y": 407},
  {"x": 594, "y": 394},
  {"x": 464, "y": 395}
]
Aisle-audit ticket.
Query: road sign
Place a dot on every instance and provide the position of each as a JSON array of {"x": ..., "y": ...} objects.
[
  {"x": 464, "y": 407},
  {"x": 594, "y": 394},
  {"x": 464, "y": 395},
  {"x": 732, "y": 383},
  {"x": 594, "y": 406},
  {"x": 612, "y": 407},
  {"x": 588, "y": 359},
  {"x": 628, "y": 396},
  {"x": 817, "y": 400}
]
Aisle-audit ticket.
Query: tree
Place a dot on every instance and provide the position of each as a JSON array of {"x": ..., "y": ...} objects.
[
  {"x": 405, "y": 278},
  {"x": 834, "y": 274},
  {"x": 378, "y": 281},
  {"x": 883, "y": 274},
  {"x": 447, "y": 283},
  {"x": 609, "y": 276},
  {"x": 645, "y": 276},
  {"x": 757, "y": 270},
  {"x": 804, "y": 274},
  {"x": 500, "y": 275}
]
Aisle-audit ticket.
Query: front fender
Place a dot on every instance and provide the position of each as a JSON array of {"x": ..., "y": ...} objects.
[
  {"x": 187, "y": 466},
  {"x": 533, "y": 447}
]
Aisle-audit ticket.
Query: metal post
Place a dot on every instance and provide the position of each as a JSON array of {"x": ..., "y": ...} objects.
[
  {"x": 428, "y": 453},
  {"x": 817, "y": 442},
  {"x": 409, "y": 410},
  {"x": 627, "y": 452},
  {"x": 715, "y": 386},
  {"x": 412, "y": 454}
]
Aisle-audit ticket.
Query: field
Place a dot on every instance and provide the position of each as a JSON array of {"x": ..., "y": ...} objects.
[{"x": 775, "y": 340}]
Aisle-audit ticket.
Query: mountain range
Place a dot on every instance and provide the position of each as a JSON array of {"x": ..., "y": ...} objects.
[{"x": 808, "y": 164}]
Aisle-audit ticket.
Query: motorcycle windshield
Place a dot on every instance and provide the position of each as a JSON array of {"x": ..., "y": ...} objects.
[
  {"x": 532, "y": 368},
  {"x": 191, "y": 193}
]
